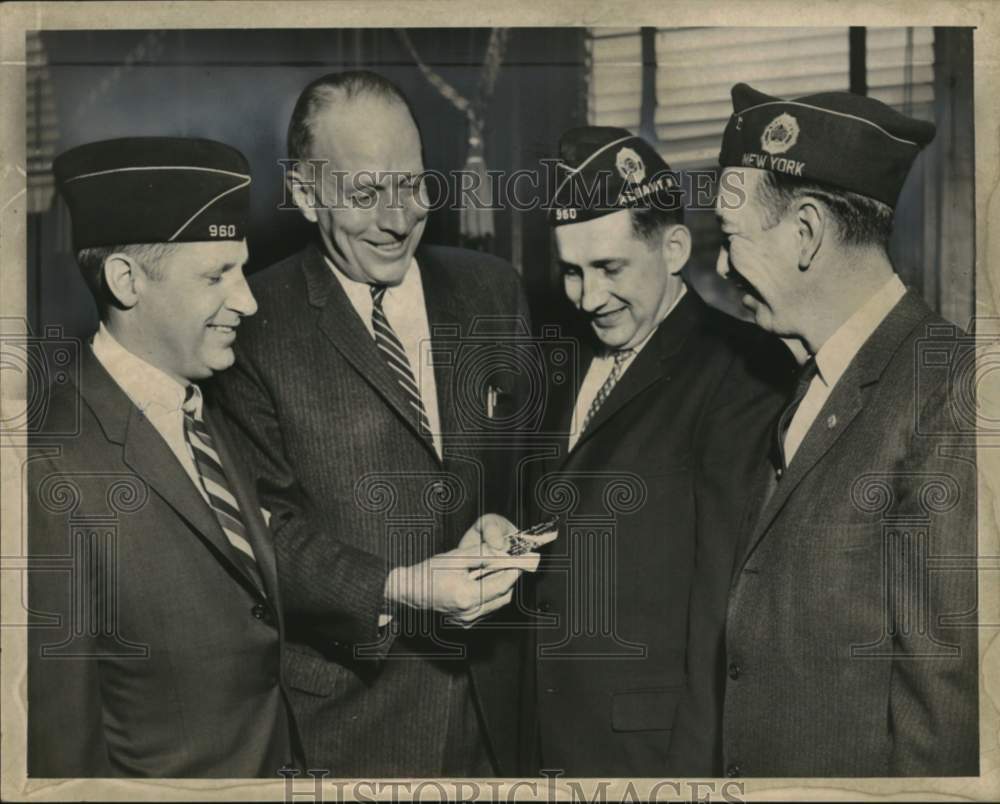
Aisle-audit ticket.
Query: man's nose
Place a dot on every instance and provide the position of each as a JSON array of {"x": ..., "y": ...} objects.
[
  {"x": 399, "y": 215},
  {"x": 593, "y": 293},
  {"x": 241, "y": 299}
]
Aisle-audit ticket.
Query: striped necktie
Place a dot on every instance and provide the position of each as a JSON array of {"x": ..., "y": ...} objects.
[
  {"x": 391, "y": 349},
  {"x": 214, "y": 483},
  {"x": 605, "y": 390}
]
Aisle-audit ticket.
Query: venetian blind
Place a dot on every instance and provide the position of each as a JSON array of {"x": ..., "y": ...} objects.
[
  {"x": 615, "y": 81},
  {"x": 696, "y": 67},
  {"x": 901, "y": 69}
]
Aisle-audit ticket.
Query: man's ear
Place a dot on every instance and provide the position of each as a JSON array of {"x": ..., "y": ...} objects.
[
  {"x": 676, "y": 247},
  {"x": 812, "y": 221},
  {"x": 122, "y": 274},
  {"x": 303, "y": 180}
]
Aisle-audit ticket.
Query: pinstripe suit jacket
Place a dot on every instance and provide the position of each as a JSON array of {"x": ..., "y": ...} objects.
[
  {"x": 851, "y": 638},
  {"x": 354, "y": 489}
]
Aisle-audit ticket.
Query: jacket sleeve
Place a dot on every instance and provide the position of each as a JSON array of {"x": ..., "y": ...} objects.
[
  {"x": 65, "y": 712},
  {"x": 933, "y": 696},
  {"x": 327, "y": 586}
]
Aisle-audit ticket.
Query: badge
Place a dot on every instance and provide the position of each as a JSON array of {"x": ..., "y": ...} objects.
[
  {"x": 630, "y": 165},
  {"x": 780, "y": 135}
]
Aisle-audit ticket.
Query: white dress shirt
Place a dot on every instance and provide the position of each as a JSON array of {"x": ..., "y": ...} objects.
[
  {"x": 157, "y": 395},
  {"x": 600, "y": 369},
  {"x": 836, "y": 355},
  {"x": 406, "y": 310}
]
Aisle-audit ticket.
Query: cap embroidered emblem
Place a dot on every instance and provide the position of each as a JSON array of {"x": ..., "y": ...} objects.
[
  {"x": 630, "y": 165},
  {"x": 780, "y": 135}
]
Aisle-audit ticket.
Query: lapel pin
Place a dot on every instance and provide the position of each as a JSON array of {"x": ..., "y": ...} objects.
[{"x": 831, "y": 421}]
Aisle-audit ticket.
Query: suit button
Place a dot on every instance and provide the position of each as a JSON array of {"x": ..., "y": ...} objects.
[
  {"x": 545, "y": 606},
  {"x": 735, "y": 670},
  {"x": 550, "y": 690},
  {"x": 259, "y": 611},
  {"x": 734, "y": 770}
]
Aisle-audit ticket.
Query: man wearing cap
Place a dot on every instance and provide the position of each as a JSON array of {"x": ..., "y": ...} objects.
[
  {"x": 849, "y": 652},
  {"x": 155, "y": 646},
  {"x": 366, "y": 435},
  {"x": 657, "y": 440}
]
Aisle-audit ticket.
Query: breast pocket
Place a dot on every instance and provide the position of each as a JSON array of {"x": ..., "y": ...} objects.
[
  {"x": 645, "y": 710},
  {"x": 311, "y": 674}
]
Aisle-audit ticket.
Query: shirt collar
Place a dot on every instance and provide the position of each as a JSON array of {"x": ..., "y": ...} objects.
[
  {"x": 836, "y": 354},
  {"x": 360, "y": 292},
  {"x": 153, "y": 391}
]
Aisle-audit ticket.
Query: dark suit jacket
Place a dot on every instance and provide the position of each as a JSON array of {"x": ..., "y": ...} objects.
[
  {"x": 152, "y": 654},
  {"x": 851, "y": 652},
  {"x": 628, "y": 673},
  {"x": 355, "y": 489}
]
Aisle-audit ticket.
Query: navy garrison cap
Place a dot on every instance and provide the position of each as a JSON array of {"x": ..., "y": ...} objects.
[
  {"x": 603, "y": 170},
  {"x": 848, "y": 141},
  {"x": 154, "y": 190}
]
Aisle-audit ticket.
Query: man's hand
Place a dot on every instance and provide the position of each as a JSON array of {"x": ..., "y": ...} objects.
[
  {"x": 491, "y": 530},
  {"x": 463, "y": 584}
]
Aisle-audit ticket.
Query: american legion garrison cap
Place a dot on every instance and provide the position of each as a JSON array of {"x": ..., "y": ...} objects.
[
  {"x": 602, "y": 169},
  {"x": 848, "y": 141},
  {"x": 154, "y": 190}
]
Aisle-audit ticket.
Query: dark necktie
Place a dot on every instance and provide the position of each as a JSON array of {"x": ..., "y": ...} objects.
[
  {"x": 214, "y": 482},
  {"x": 391, "y": 349},
  {"x": 605, "y": 390},
  {"x": 806, "y": 374}
]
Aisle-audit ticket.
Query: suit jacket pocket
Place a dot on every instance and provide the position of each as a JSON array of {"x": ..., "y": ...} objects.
[
  {"x": 308, "y": 673},
  {"x": 645, "y": 710}
]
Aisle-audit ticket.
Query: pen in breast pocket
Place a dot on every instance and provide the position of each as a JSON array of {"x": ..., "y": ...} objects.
[{"x": 492, "y": 394}]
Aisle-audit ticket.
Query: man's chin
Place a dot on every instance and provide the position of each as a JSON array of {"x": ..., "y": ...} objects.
[
  {"x": 219, "y": 360},
  {"x": 611, "y": 339},
  {"x": 389, "y": 273},
  {"x": 763, "y": 317}
]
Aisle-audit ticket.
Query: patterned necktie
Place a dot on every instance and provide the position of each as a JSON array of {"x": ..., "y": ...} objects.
[
  {"x": 391, "y": 349},
  {"x": 806, "y": 374},
  {"x": 213, "y": 481},
  {"x": 605, "y": 390}
]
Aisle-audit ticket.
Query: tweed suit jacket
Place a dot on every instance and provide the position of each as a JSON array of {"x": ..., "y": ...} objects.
[
  {"x": 850, "y": 633},
  {"x": 663, "y": 467},
  {"x": 354, "y": 488},
  {"x": 152, "y": 652}
]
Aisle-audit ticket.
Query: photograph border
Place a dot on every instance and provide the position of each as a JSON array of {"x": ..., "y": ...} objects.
[{"x": 17, "y": 18}]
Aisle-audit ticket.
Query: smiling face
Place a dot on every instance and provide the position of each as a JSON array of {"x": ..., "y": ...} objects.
[
  {"x": 762, "y": 262},
  {"x": 185, "y": 321},
  {"x": 621, "y": 282},
  {"x": 370, "y": 212}
]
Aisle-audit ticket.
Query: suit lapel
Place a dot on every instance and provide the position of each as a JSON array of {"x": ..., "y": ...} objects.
[
  {"x": 339, "y": 322},
  {"x": 650, "y": 366},
  {"x": 842, "y": 406},
  {"x": 444, "y": 317},
  {"x": 257, "y": 533},
  {"x": 146, "y": 453}
]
